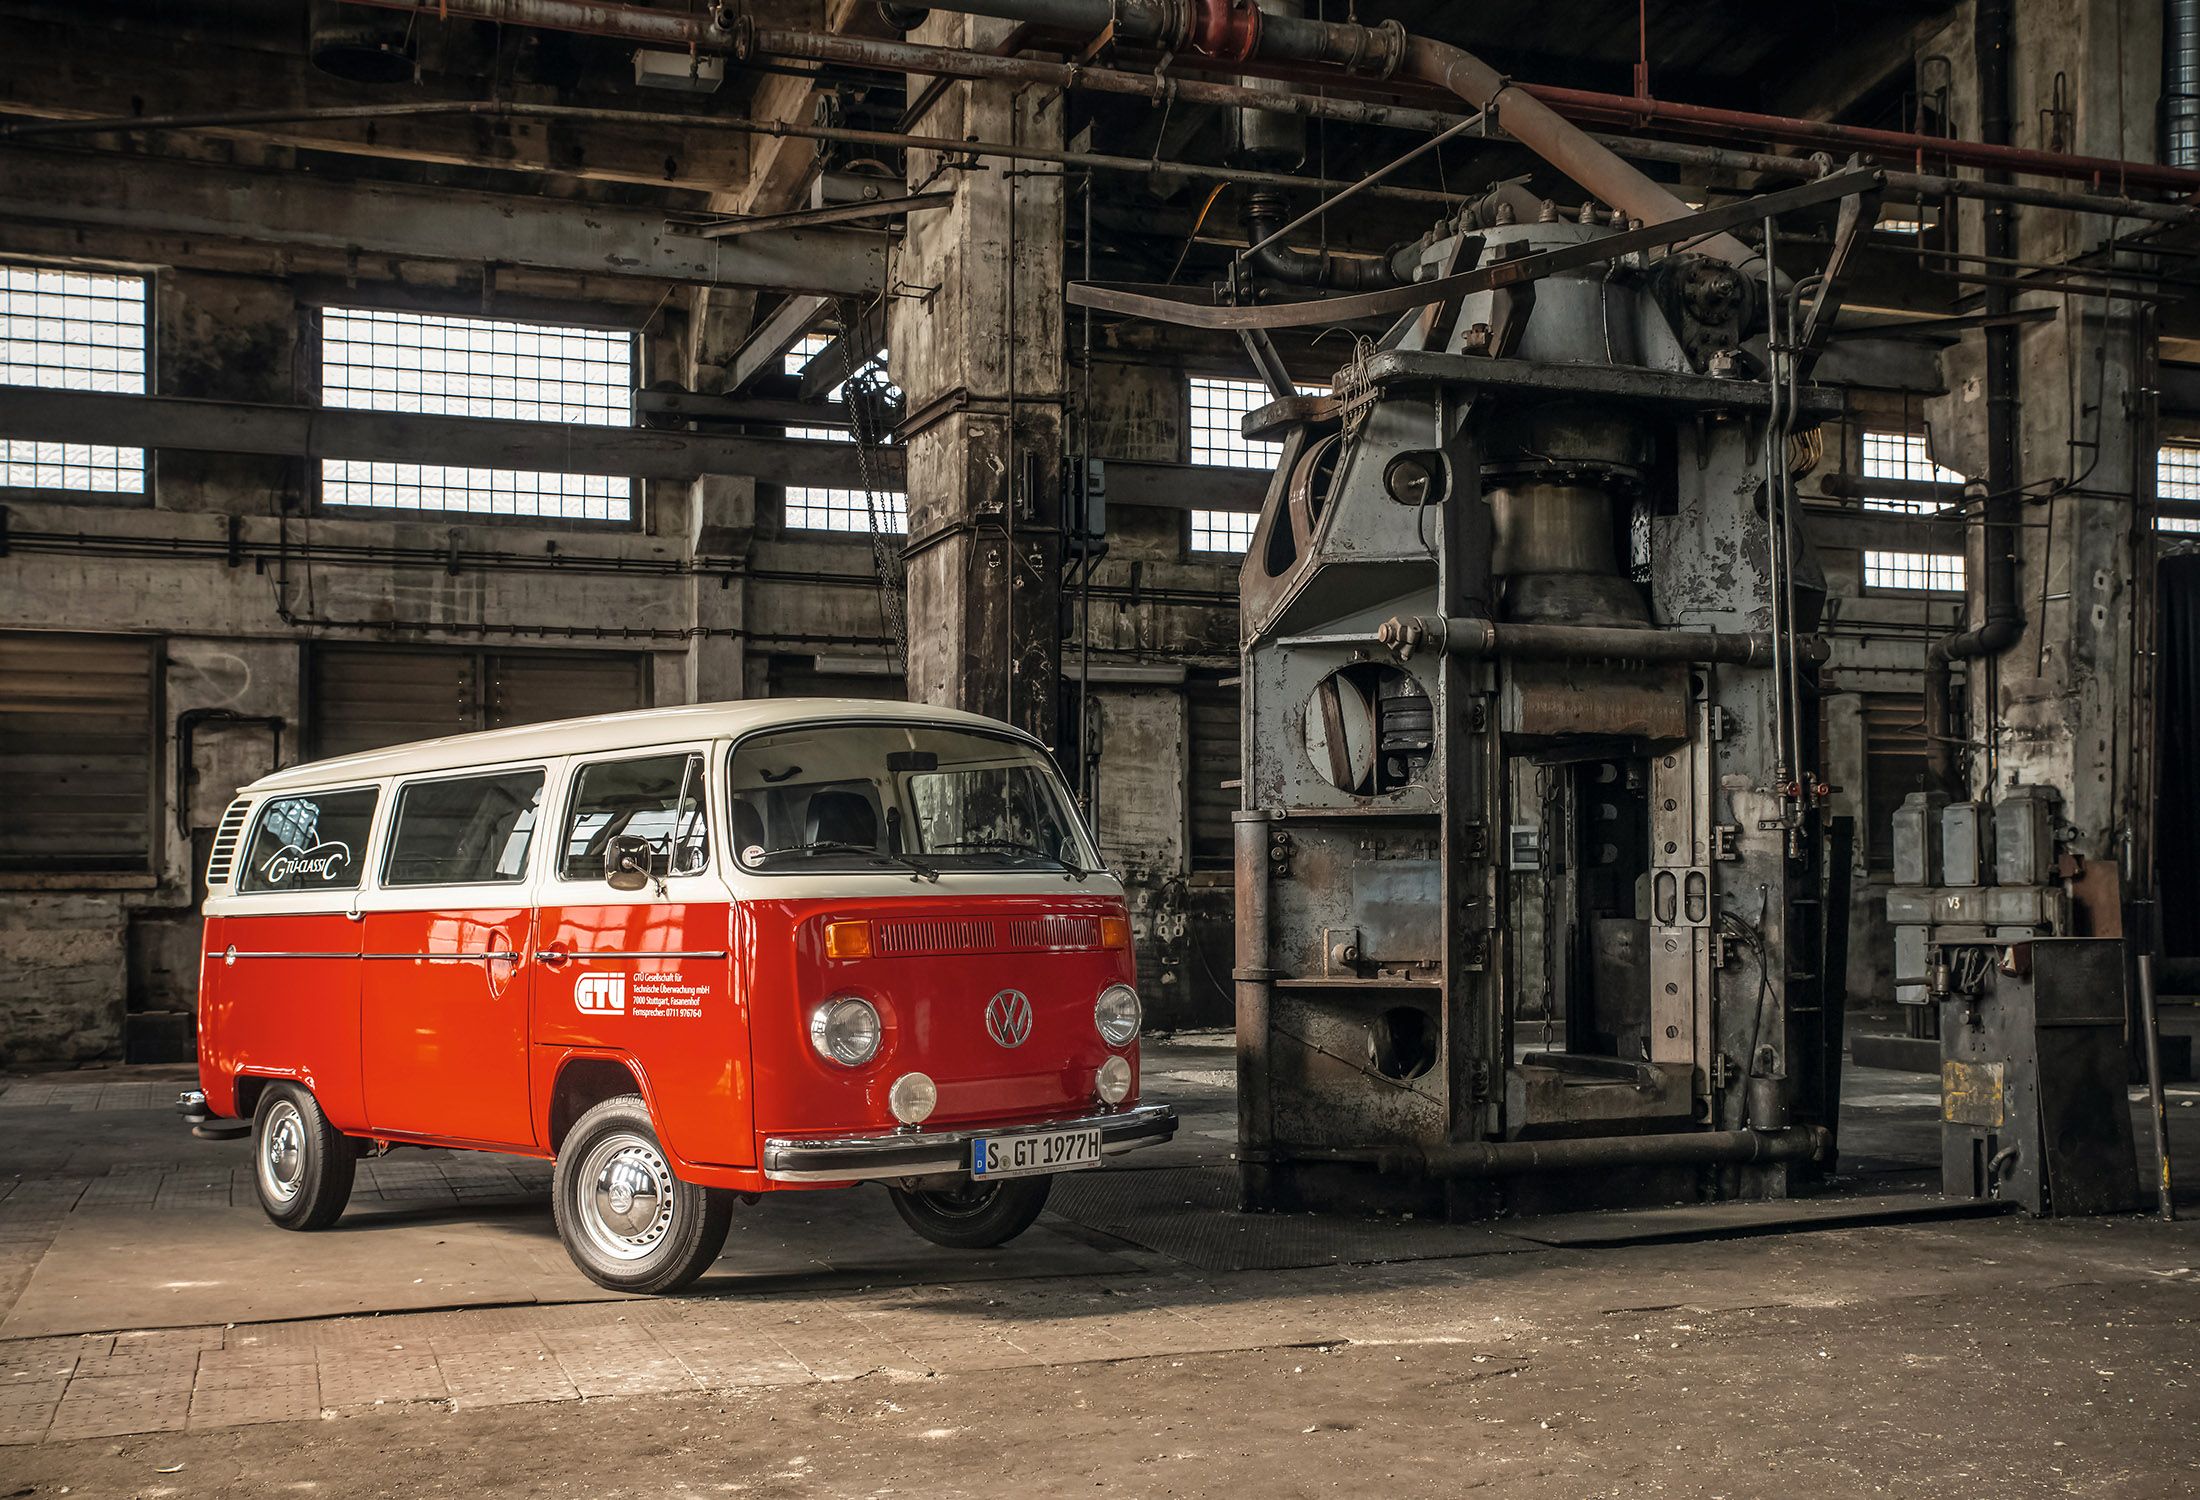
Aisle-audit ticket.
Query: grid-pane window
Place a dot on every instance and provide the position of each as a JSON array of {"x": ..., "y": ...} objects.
[
  {"x": 1218, "y": 409},
  {"x": 72, "y": 331},
  {"x": 822, "y": 508},
  {"x": 1228, "y": 531},
  {"x": 2177, "y": 477},
  {"x": 1906, "y": 456},
  {"x": 476, "y": 367}
]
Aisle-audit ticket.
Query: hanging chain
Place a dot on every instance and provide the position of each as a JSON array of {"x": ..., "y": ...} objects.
[{"x": 863, "y": 392}]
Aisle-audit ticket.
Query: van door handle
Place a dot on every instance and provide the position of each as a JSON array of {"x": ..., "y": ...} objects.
[{"x": 552, "y": 956}]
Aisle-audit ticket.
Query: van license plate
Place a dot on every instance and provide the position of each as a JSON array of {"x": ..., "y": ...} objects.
[{"x": 1031, "y": 1155}]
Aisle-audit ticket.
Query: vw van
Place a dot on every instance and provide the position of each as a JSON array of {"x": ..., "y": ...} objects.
[{"x": 689, "y": 954}]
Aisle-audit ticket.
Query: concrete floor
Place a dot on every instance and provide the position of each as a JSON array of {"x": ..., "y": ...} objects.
[{"x": 1140, "y": 1340}]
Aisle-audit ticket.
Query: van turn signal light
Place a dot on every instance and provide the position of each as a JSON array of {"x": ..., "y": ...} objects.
[
  {"x": 1115, "y": 932},
  {"x": 847, "y": 939}
]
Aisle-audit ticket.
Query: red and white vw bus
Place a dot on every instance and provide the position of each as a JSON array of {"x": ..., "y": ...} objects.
[{"x": 689, "y": 953}]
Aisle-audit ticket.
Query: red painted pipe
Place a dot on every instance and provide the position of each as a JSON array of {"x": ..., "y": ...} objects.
[{"x": 2101, "y": 171}]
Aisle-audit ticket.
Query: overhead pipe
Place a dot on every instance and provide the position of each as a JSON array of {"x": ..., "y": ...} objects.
[
  {"x": 1264, "y": 221},
  {"x": 2001, "y": 622},
  {"x": 1236, "y": 31},
  {"x": 1224, "y": 23}
]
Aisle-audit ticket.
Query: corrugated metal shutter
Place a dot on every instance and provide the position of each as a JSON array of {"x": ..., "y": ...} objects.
[
  {"x": 799, "y": 677},
  {"x": 78, "y": 751},
  {"x": 1894, "y": 766},
  {"x": 530, "y": 688},
  {"x": 1211, "y": 710},
  {"x": 365, "y": 697}
]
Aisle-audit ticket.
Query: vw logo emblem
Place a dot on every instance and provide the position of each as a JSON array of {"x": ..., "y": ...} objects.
[{"x": 1008, "y": 1018}]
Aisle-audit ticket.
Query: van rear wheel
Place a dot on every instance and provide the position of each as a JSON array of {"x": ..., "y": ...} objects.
[
  {"x": 973, "y": 1215},
  {"x": 627, "y": 1221},
  {"x": 301, "y": 1164}
]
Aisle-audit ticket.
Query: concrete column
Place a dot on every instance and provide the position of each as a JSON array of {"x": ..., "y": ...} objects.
[
  {"x": 976, "y": 332},
  {"x": 2062, "y": 697}
]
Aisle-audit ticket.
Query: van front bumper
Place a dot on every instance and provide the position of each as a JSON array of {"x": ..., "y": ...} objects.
[{"x": 934, "y": 1153}]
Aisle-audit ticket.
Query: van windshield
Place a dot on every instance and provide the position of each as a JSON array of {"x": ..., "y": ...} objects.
[{"x": 929, "y": 799}]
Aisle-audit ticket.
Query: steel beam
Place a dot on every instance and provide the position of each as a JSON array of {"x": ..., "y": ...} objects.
[
  {"x": 399, "y": 437},
  {"x": 772, "y": 338},
  {"x": 82, "y": 189}
]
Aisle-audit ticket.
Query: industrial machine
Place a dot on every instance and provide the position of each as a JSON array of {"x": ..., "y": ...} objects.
[
  {"x": 2031, "y": 1019},
  {"x": 1532, "y": 871}
]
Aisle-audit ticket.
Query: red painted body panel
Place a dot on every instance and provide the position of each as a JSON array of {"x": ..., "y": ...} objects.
[
  {"x": 443, "y": 1042},
  {"x": 933, "y": 1008},
  {"x": 283, "y": 1017},
  {"x": 678, "y": 1021},
  {"x": 468, "y": 1052}
]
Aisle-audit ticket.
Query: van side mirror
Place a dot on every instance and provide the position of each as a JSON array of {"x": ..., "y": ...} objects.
[{"x": 626, "y": 861}]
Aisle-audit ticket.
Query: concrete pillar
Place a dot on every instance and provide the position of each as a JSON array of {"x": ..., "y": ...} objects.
[
  {"x": 976, "y": 332},
  {"x": 2063, "y": 696},
  {"x": 721, "y": 524}
]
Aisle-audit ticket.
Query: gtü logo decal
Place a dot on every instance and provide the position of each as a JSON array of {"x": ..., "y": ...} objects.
[
  {"x": 321, "y": 860},
  {"x": 600, "y": 994}
]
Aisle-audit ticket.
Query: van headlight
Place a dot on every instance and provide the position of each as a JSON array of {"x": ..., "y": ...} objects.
[
  {"x": 845, "y": 1030},
  {"x": 1117, "y": 1014}
]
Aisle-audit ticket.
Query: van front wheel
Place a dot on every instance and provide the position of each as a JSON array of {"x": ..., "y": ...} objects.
[
  {"x": 973, "y": 1215},
  {"x": 627, "y": 1221},
  {"x": 301, "y": 1164}
]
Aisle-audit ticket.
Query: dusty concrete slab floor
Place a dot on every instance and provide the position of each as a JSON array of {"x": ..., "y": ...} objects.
[{"x": 2033, "y": 1379}]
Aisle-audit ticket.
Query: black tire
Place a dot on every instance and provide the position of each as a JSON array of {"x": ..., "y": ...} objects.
[
  {"x": 973, "y": 1215},
  {"x": 301, "y": 1164},
  {"x": 627, "y": 1221}
]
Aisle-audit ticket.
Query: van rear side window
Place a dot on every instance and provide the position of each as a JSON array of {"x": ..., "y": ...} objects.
[
  {"x": 310, "y": 841},
  {"x": 470, "y": 830}
]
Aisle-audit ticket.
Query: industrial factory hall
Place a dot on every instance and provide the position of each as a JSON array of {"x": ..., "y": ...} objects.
[{"x": 1284, "y": 748}]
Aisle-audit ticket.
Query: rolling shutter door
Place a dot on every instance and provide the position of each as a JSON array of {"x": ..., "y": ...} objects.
[
  {"x": 799, "y": 677},
  {"x": 1211, "y": 710},
  {"x": 366, "y": 697},
  {"x": 77, "y": 751}
]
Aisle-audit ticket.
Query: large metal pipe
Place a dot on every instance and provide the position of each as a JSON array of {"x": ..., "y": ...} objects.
[
  {"x": 1233, "y": 32},
  {"x": 1463, "y": 636},
  {"x": 1157, "y": 20},
  {"x": 1518, "y": 1158},
  {"x": 2001, "y": 622}
]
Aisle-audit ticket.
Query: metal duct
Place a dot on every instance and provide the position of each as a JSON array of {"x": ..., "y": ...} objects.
[{"x": 2181, "y": 83}]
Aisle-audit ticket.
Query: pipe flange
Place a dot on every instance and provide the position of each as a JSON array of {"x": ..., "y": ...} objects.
[
  {"x": 1228, "y": 30},
  {"x": 736, "y": 27},
  {"x": 1393, "y": 50}
]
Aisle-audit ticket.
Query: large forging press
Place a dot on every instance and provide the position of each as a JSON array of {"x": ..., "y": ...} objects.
[{"x": 1532, "y": 872}]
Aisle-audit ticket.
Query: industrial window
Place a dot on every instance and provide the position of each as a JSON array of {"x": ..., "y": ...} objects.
[
  {"x": 1223, "y": 531},
  {"x": 470, "y": 830},
  {"x": 477, "y": 367},
  {"x": 2177, "y": 477},
  {"x": 821, "y": 508},
  {"x": 1218, "y": 409},
  {"x": 78, "y": 751},
  {"x": 1906, "y": 456},
  {"x": 365, "y": 697},
  {"x": 72, "y": 331}
]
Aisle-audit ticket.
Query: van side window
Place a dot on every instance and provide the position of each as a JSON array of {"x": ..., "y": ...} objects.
[
  {"x": 658, "y": 798},
  {"x": 470, "y": 830},
  {"x": 310, "y": 841}
]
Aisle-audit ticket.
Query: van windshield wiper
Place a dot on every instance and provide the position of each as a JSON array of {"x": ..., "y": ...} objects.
[
  {"x": 840, "y": 846},
  {"x": 1014, "y": 846}
]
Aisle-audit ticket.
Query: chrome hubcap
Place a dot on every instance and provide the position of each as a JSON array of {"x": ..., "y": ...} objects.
[
  {"x": 283, "y": 1152},
  {"x": 626, "y": 1189}
]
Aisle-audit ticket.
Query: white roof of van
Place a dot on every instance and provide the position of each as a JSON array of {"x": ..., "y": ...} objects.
[{"x": 635, "y": 729}]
